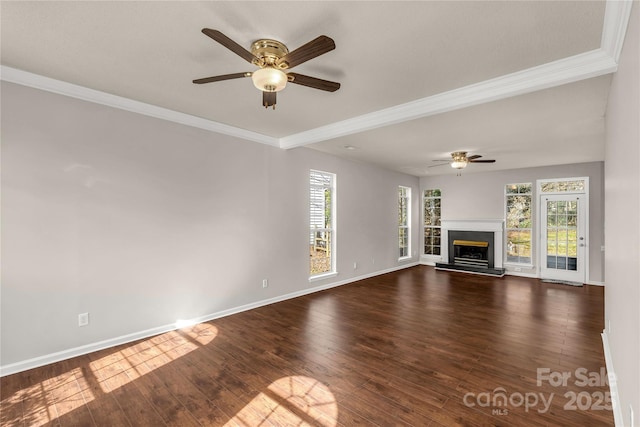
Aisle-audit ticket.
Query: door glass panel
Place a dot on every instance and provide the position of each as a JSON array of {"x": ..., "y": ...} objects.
[
  {"x": 562, "y": 220},
  {"x": 551, "y": 242},
  {"x": 562, "y": 235},
  {"x": 562, "y": 207},
  {"x": 562, "y": 241}
]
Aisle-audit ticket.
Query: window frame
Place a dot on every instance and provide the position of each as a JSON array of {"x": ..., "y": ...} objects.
[
  {"x": 520, "y": 264},
  {"x": 407, "y": 216},
  {"x": 330, "y": 229},
  {"x": 433, "y": 227}
]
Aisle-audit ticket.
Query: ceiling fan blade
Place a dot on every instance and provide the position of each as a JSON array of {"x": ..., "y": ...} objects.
[
  {"x": 316, "y": 47},
  {"x": 475, "y": 156},
  {"x": 441, "y": 164},
  {"x": 482, "y": 161},
  {"x": 220, "y": 78},
  {"x": 269, "y": 99},
  {"x": 230, "y": 44},
  {"x": 313, "y": 82}
]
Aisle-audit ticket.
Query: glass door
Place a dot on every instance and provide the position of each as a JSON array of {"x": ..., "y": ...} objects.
[{"x": 563, "y": 241}]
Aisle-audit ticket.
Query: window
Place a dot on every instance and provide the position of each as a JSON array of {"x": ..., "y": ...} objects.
[
  {"x": 322, "y": 223},
  {"x": 560, "y": 186},
  {"x": 404, "y": 221},
  {"x": 432, "y": 204},
  {"x": 518, "y": 223}
]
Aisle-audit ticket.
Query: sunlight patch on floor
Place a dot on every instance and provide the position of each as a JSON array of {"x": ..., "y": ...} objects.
[
  {"x": 121, "y": 367},
  {"x": 292, "y": 401},
  {"x": 47, "y": 400},
  {"x": 54, "y": 397}
]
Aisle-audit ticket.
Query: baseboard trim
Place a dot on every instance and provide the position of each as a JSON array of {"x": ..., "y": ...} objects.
[
  {"x": 36, "y": 362},
  {"x": 521, "y": 274},
  {"x": 536, "y": 276},
  {"x": 613, "y": 383}
]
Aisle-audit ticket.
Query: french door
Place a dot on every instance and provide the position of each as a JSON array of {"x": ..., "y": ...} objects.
[{"x": 563, "y": 240}]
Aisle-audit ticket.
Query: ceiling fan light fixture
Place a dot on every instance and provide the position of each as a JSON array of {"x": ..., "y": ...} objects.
[
  {"x": 459, "y": 160},
  {"x": 269, "y": 79}
]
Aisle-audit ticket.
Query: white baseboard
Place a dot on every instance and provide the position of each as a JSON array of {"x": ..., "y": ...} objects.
[
  {"x": 613, "y": 383},
  {"x": 521, "y": 274},
  {"x": 595, "y": 283},
  {"x": 36, "y": 362}
]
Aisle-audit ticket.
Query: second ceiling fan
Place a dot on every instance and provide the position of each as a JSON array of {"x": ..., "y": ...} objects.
[
  {"x": 274, "y": 59},
  {"x": 459, "y": 160}
]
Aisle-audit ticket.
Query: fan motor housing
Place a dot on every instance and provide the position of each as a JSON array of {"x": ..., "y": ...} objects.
[{"x": 268, "y": 52}]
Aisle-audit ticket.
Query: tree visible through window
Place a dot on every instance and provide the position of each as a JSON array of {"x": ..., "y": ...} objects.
[
  {"x": 432, "y": 205},
  {"x": 518, "y": 223},
  {"x": 404, "y": 221},
  {"x": 322, "y": 231}
]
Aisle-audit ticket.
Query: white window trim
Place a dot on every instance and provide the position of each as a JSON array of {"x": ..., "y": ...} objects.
[
  {"x": 429, "y": 258},
  {"x": 579, "y": 178},
  {"x": 525, "y": 265},
  {"x": 322, "y": 276},
  {"x": 408, "y": 226},
  {"x": 332, "y": 230}
]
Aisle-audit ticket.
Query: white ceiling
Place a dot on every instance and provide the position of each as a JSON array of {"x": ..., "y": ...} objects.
[{"x": 522, "y": 82}]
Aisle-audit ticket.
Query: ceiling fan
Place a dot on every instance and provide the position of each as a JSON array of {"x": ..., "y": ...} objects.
[
  {"x": 273, "y": 59},
  {"x": 460, "y": 160}
]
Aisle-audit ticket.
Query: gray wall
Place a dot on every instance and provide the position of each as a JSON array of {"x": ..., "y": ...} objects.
[
  {"x": 480, "y": 195},
  {"x": 142, "y": 222},
  {"x": 622, "y": 186}
]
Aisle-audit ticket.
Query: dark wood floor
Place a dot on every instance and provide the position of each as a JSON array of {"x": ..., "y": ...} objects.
[{"x": 414, "y": 347}]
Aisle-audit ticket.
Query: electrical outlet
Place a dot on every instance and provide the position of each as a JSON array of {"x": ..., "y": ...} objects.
[
  {"x": 355, "y": 265},
  {"x": 83, "y": 319},
  {"x": 265, "y": 283}
]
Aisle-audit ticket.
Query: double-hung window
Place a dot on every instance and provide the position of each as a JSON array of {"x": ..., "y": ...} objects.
[
  {"x": 404, "y": 222},
  {"x": 321, "y": 223},
  {"x": 518, "y": 223},
  {"x": 432, "y": 204}
]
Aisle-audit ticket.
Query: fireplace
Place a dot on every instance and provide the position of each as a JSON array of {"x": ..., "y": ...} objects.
[
  {"x": 472, "y": 246},
  {"x": 471, "y": 252}
]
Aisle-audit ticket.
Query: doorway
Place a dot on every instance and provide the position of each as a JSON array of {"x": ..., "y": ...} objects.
[{"x": 563, "y": 236}]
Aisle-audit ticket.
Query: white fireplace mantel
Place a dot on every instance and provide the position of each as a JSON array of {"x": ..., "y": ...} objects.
[{"x": 494, "y": 225}]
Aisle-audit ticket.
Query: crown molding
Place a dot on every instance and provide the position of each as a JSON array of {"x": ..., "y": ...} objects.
[
  {"x": 616, "y": 20},
  {"x": 48, "y": 84},
  {"x": 563, "y": 71}
]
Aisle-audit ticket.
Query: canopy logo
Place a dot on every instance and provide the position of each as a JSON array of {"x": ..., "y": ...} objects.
[{"x": 500, "y": 401}]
